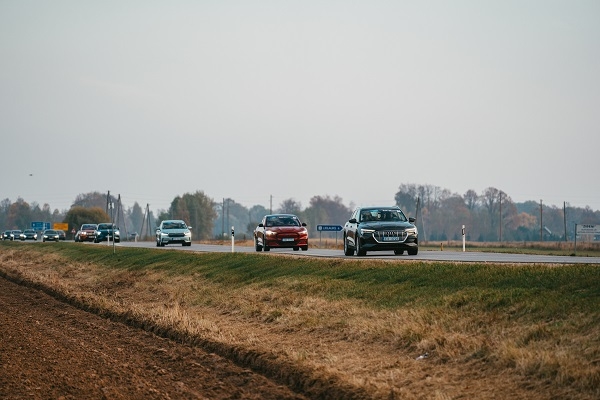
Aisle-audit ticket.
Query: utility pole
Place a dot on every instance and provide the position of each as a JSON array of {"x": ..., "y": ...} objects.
[
  {"x": 541, "y": 223},
  {"x": 500, "y": 217},
  {"x": 148, "y": 213},
  {"x": 223, "y": 219},
  {"x": 565, "y": 218},
  {"x": 228, "y": 211},
  {"x": 419, "y": 217},
  {"x": 271, "y": 205},
  {"x": 107, "y": 201}
]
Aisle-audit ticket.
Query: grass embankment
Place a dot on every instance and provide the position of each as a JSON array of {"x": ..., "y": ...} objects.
[
  {"x": 349, "y": 328},
  {"x": 581, "y": 249}
]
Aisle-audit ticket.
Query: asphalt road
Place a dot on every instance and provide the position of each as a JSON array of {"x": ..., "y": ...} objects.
[{"x": 453, "y": 256}]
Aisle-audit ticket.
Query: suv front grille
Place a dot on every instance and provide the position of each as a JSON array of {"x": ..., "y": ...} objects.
[{"x": 390, "y": 236}]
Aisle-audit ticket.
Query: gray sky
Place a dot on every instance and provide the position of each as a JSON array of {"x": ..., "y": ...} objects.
[{"x": 247, "y": 99}]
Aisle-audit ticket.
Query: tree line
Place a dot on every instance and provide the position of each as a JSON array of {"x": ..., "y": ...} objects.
[{"x": 488, "y": 216}]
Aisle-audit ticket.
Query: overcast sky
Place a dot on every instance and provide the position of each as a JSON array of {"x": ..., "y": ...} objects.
[{"x": 294, "y": 99}]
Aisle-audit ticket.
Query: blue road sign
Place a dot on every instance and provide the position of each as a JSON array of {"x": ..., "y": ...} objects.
[
  {"x": 329, "y": 228},
  {"x": 40, "y": 226},
  {"x": 37, "y": 226}
]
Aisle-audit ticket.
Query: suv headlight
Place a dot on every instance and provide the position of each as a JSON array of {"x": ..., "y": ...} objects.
[{"x": 366, "y": 232}]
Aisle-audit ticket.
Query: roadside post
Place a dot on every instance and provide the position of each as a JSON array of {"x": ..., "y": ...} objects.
[
  {"x": 463, "y": 237},
  {"x": 232, "y": 240},
  {"x": 328, "y": 228}
]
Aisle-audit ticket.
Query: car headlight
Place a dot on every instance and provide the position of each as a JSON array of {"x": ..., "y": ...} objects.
[
  {"x": 365, "y": 232},
  {"x": 411, "y": 231},
  {"x": 270, "y": 233}
]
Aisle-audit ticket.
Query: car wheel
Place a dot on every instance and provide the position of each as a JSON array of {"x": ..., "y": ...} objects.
[
  {"x": 266, "y": 248},
  {"x": 413, "y": 252},
  {"x": 398, "y": 252},
  {"x": 296, "y": 248},
  {"x": 304, "y": 248},
  {"x": 257, "y": 246},
  {"x": 359, "y": 251},
  {"x": 347, "y": 250}
]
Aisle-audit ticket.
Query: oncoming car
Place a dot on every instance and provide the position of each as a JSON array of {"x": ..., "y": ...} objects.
[
  {"x": 173, "y": 231},
  {"x": 87, "y": 233},
  {"x": 50, "y": 235},
  {"x": 380, "y": 228},
  {"x": 281, "y": 231},
  {"x": 30, "y": 234},
  {"x": 107, "y": 231}
]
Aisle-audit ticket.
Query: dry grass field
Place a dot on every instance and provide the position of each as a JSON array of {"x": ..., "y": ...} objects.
[{"x": 345, "y": 328}]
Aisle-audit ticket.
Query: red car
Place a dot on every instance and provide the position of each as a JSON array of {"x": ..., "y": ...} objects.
[
  {"x": 87, "y": 233},
  {"x": 281, "y": 231}
]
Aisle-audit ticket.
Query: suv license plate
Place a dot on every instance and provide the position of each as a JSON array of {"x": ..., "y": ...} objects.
[{"x": 287, "y": 239}]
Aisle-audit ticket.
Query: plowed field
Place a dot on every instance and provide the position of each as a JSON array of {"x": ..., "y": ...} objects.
[{"x": 51, "y": 350}]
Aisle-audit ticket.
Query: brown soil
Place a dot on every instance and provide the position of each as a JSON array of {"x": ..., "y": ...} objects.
[{"x": 49, "y": 349}]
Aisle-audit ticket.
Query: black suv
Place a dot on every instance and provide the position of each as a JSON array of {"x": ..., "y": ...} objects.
[{"x": 380, "y": 228}]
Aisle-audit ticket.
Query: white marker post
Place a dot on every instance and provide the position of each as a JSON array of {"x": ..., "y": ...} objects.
[
  {"x": 232, "y": 240},
  {"x": 463, "y": 235}
]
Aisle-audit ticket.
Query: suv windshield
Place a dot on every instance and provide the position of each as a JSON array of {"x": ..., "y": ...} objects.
[
  {"x": 381, "y": 214},
  {"x": 173, "y": 225}
]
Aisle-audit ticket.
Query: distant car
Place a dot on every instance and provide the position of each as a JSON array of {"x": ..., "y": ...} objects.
[
  {"x": 107, "y": 231},
  {"x": 17, "y": 234},
  {"x": 172, "y": 232},
  {"x": 30, "y": 234},
  {"x": 380, "y": 228},
  {"x": 86, "y": 233},
  {"x": 7, "y": 235},
  {"x": 50, "y": 235},
  {"x": 280, "y": 231},
  {"x": 61, "y": 234}
]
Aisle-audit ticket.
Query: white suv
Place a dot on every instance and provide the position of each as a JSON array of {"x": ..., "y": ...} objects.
[{"x": 173, "y": 231}]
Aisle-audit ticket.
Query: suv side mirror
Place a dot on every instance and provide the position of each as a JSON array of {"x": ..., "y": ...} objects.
[
  {"x": 411, "y": 219},
  {"x": 352, "y": 220}
]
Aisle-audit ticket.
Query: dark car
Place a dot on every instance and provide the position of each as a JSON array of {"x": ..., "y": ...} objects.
[
  {"x": 50, "y": 235},
  {"x": 378, "y": 229},
  {"x": 61, "y": 234},
  {"x": 281, "y": 231},
  {"x": 7, "y": 235},
  {"x": 17, "y": 234},
  {"x": 86, "y": 233},
  {"x": 30, "y": 234},
  {"x": 107, "y": 231}
]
